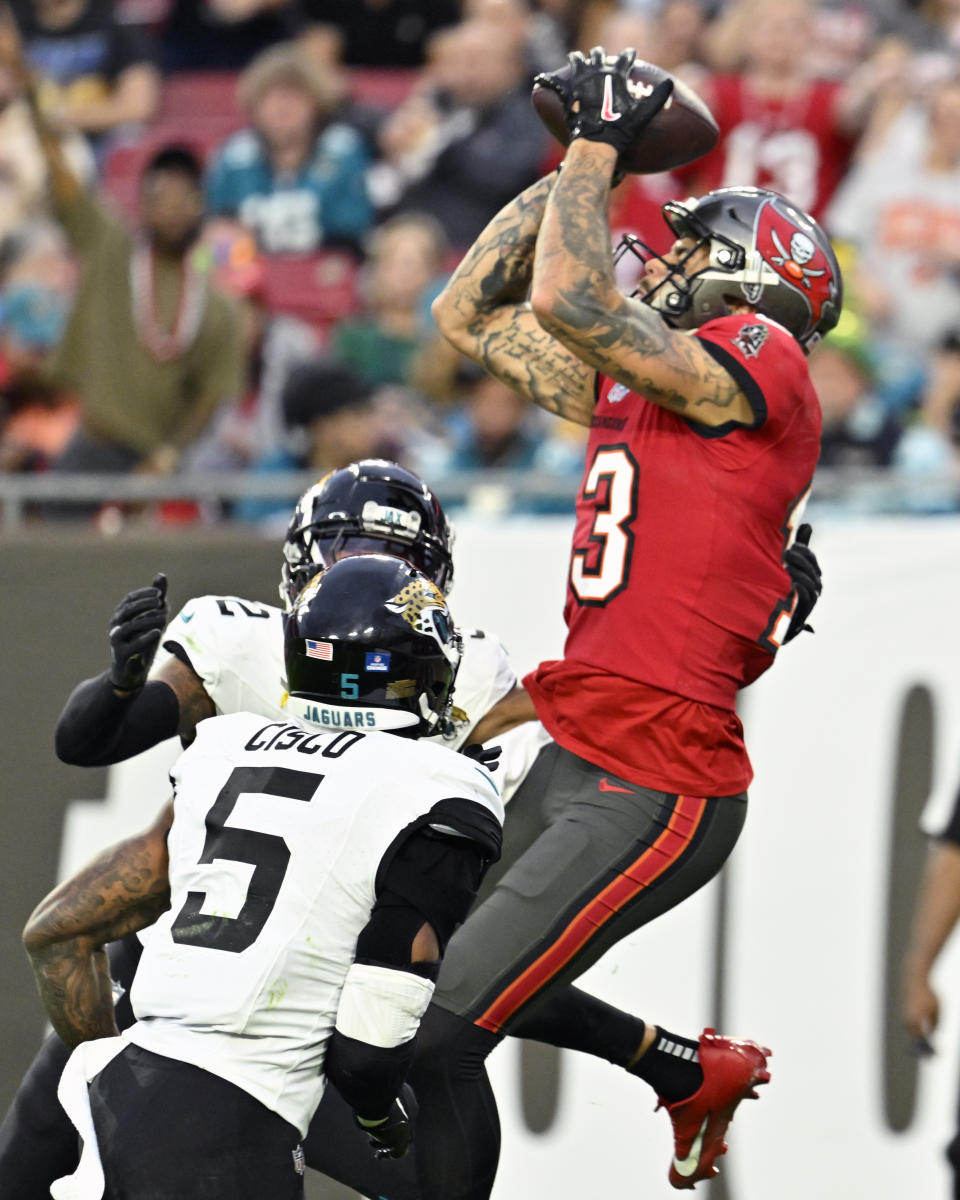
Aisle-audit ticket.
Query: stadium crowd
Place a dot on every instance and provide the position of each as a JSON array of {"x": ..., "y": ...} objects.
[{"x": 222, "y": 223}]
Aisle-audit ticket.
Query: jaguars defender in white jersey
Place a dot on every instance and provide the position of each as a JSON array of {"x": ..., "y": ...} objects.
[
  {"x": 366, "y": 849},
  {"x": 223, "y": 654}
]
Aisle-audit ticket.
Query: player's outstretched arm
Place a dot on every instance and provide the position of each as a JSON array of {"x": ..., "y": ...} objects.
[
  {"x": 121, "y": 712},
  {"x": 122, "y": 890},
  {"x": 576, "y": 300},
  {"x": 483, "y": 311}
]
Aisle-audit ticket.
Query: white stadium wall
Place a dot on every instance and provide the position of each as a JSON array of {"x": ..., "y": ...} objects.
[{"x": 854, "y": 732}]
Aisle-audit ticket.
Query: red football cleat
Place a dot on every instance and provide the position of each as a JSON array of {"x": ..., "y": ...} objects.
[{"x": 731, "y": 1071}]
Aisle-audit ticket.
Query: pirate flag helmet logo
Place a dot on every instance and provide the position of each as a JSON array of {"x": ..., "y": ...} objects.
[{"x": 761, "y": 249}]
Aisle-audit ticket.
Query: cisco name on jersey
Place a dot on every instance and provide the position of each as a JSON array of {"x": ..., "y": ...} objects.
[{"x": 278, "y": 836}]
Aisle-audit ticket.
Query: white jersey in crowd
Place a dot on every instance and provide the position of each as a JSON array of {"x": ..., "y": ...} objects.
[
  {"x": 236, "y": 648},
  {"x": 278, "y": 835}
]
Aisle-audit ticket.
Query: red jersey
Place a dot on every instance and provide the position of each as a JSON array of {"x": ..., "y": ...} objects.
[
  {"x": 677, "y": 594},
  {"x": 791, "y": 146}
]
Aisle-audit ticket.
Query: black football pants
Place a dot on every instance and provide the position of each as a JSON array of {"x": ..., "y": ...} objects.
[{"x": 168, "y": 1130}]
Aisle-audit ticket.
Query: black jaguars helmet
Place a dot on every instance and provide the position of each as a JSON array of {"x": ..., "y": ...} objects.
[
  {"x": 370, "y": 644},
  {"x": 369, "y": 507}
]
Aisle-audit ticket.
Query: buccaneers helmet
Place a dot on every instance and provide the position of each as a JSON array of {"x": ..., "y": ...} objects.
[
  {"x": 763, "y": 251},
  {"x": 371, "y": 506},
  {"x": 370, "y": 644}
]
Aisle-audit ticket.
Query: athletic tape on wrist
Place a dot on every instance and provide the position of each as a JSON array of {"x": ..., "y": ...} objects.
[{"x": 382, "y": 1006}]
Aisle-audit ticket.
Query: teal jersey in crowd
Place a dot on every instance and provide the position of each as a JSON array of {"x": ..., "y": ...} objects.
[{"x": 295, "y": 213}]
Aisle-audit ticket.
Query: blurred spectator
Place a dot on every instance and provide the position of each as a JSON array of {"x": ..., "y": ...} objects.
[
  {"x": 904, "y": 222},
  {"x": 23, "y": 169},
  {"x": 333, "y": 419},
  {"x": 296, "y": 177},
  {"x": 150, "y": 348},
  {"x": 220, "y": 35},
  {"x": 669, "y": 34},
  {"x": 499, "y": 429},
  {"x": 97, "y": 75},
  {"x": 858, "y": 431},
  {"x": 400, "y": 279},
  {"x": 37, "y": 418},
  {"x": 931, "y": 445},
  {"x": 542, "y": 36},
  {"x": 468, "y": 140},
  {"x": 678, "y": 32},
  {"x": 273, "y": 344},
  {"x": 496, "y": 429},
  {"x": 336, "y": 412},
  {"x": 780, "y": 128},
  {"x": 378, "y": 33}
]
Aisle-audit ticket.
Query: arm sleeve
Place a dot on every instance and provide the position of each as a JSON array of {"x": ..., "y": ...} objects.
[
  {"x": 84, "y": 221},
  {"x": 428, "y": 877},
  {"x": 97, "y": 727}
]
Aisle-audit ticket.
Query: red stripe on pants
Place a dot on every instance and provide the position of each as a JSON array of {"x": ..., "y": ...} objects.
[{"x": 669, "y": 846}]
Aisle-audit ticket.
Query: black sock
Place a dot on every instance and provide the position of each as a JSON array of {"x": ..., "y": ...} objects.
[
  {"x": 575, "y": 1020},
  {"x": 671, "y": 1066}
]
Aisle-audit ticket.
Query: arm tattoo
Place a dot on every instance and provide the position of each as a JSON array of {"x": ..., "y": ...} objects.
[
  {"x": 498, "y": 267},
  {"x": 483, "y": 311},
  {"x": 619, "y": 337},
  {"x": 124, "y": 889}
]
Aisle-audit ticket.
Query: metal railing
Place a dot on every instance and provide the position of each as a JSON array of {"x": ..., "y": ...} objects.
[{"x": 485, "y": 492}]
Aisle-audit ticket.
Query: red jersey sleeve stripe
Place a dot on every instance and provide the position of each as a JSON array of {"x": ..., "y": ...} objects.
[{"x": 665, "y": 851}]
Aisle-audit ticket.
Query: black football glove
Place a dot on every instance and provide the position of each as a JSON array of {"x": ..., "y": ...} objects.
[
  {"x": 135, "y": 628},
  {"x": 391, "y": 1137},
  {"x": 487, "y": 756},
  {"x": 804, "y": 571},
  {"x": 600, "y": 103}
]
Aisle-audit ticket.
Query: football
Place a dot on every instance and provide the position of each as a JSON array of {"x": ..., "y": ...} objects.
[{"x": 684, "y": 129}]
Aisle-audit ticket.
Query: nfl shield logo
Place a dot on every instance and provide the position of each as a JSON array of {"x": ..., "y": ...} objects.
[{"x": 377, "y": 660}]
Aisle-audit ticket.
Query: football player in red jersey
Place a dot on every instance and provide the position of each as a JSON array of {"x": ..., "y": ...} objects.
[{"x": 705, "y": 431}]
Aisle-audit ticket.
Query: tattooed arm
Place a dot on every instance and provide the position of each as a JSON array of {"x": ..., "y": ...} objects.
[
  {"x": 484, "y": 312},
  {"x": 122, "y": 890},
  {"x": 576, "y": 300}
]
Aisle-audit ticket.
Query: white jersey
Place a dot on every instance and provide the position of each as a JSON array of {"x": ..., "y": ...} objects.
[
  {"x": 236, "y": 648},
  {"x": 278, "y": 835}
]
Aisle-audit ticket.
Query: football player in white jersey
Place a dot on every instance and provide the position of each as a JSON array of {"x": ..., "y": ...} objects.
[
  {"x": 222, "y": 654},
  {"x": 301, "y": 886}
]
